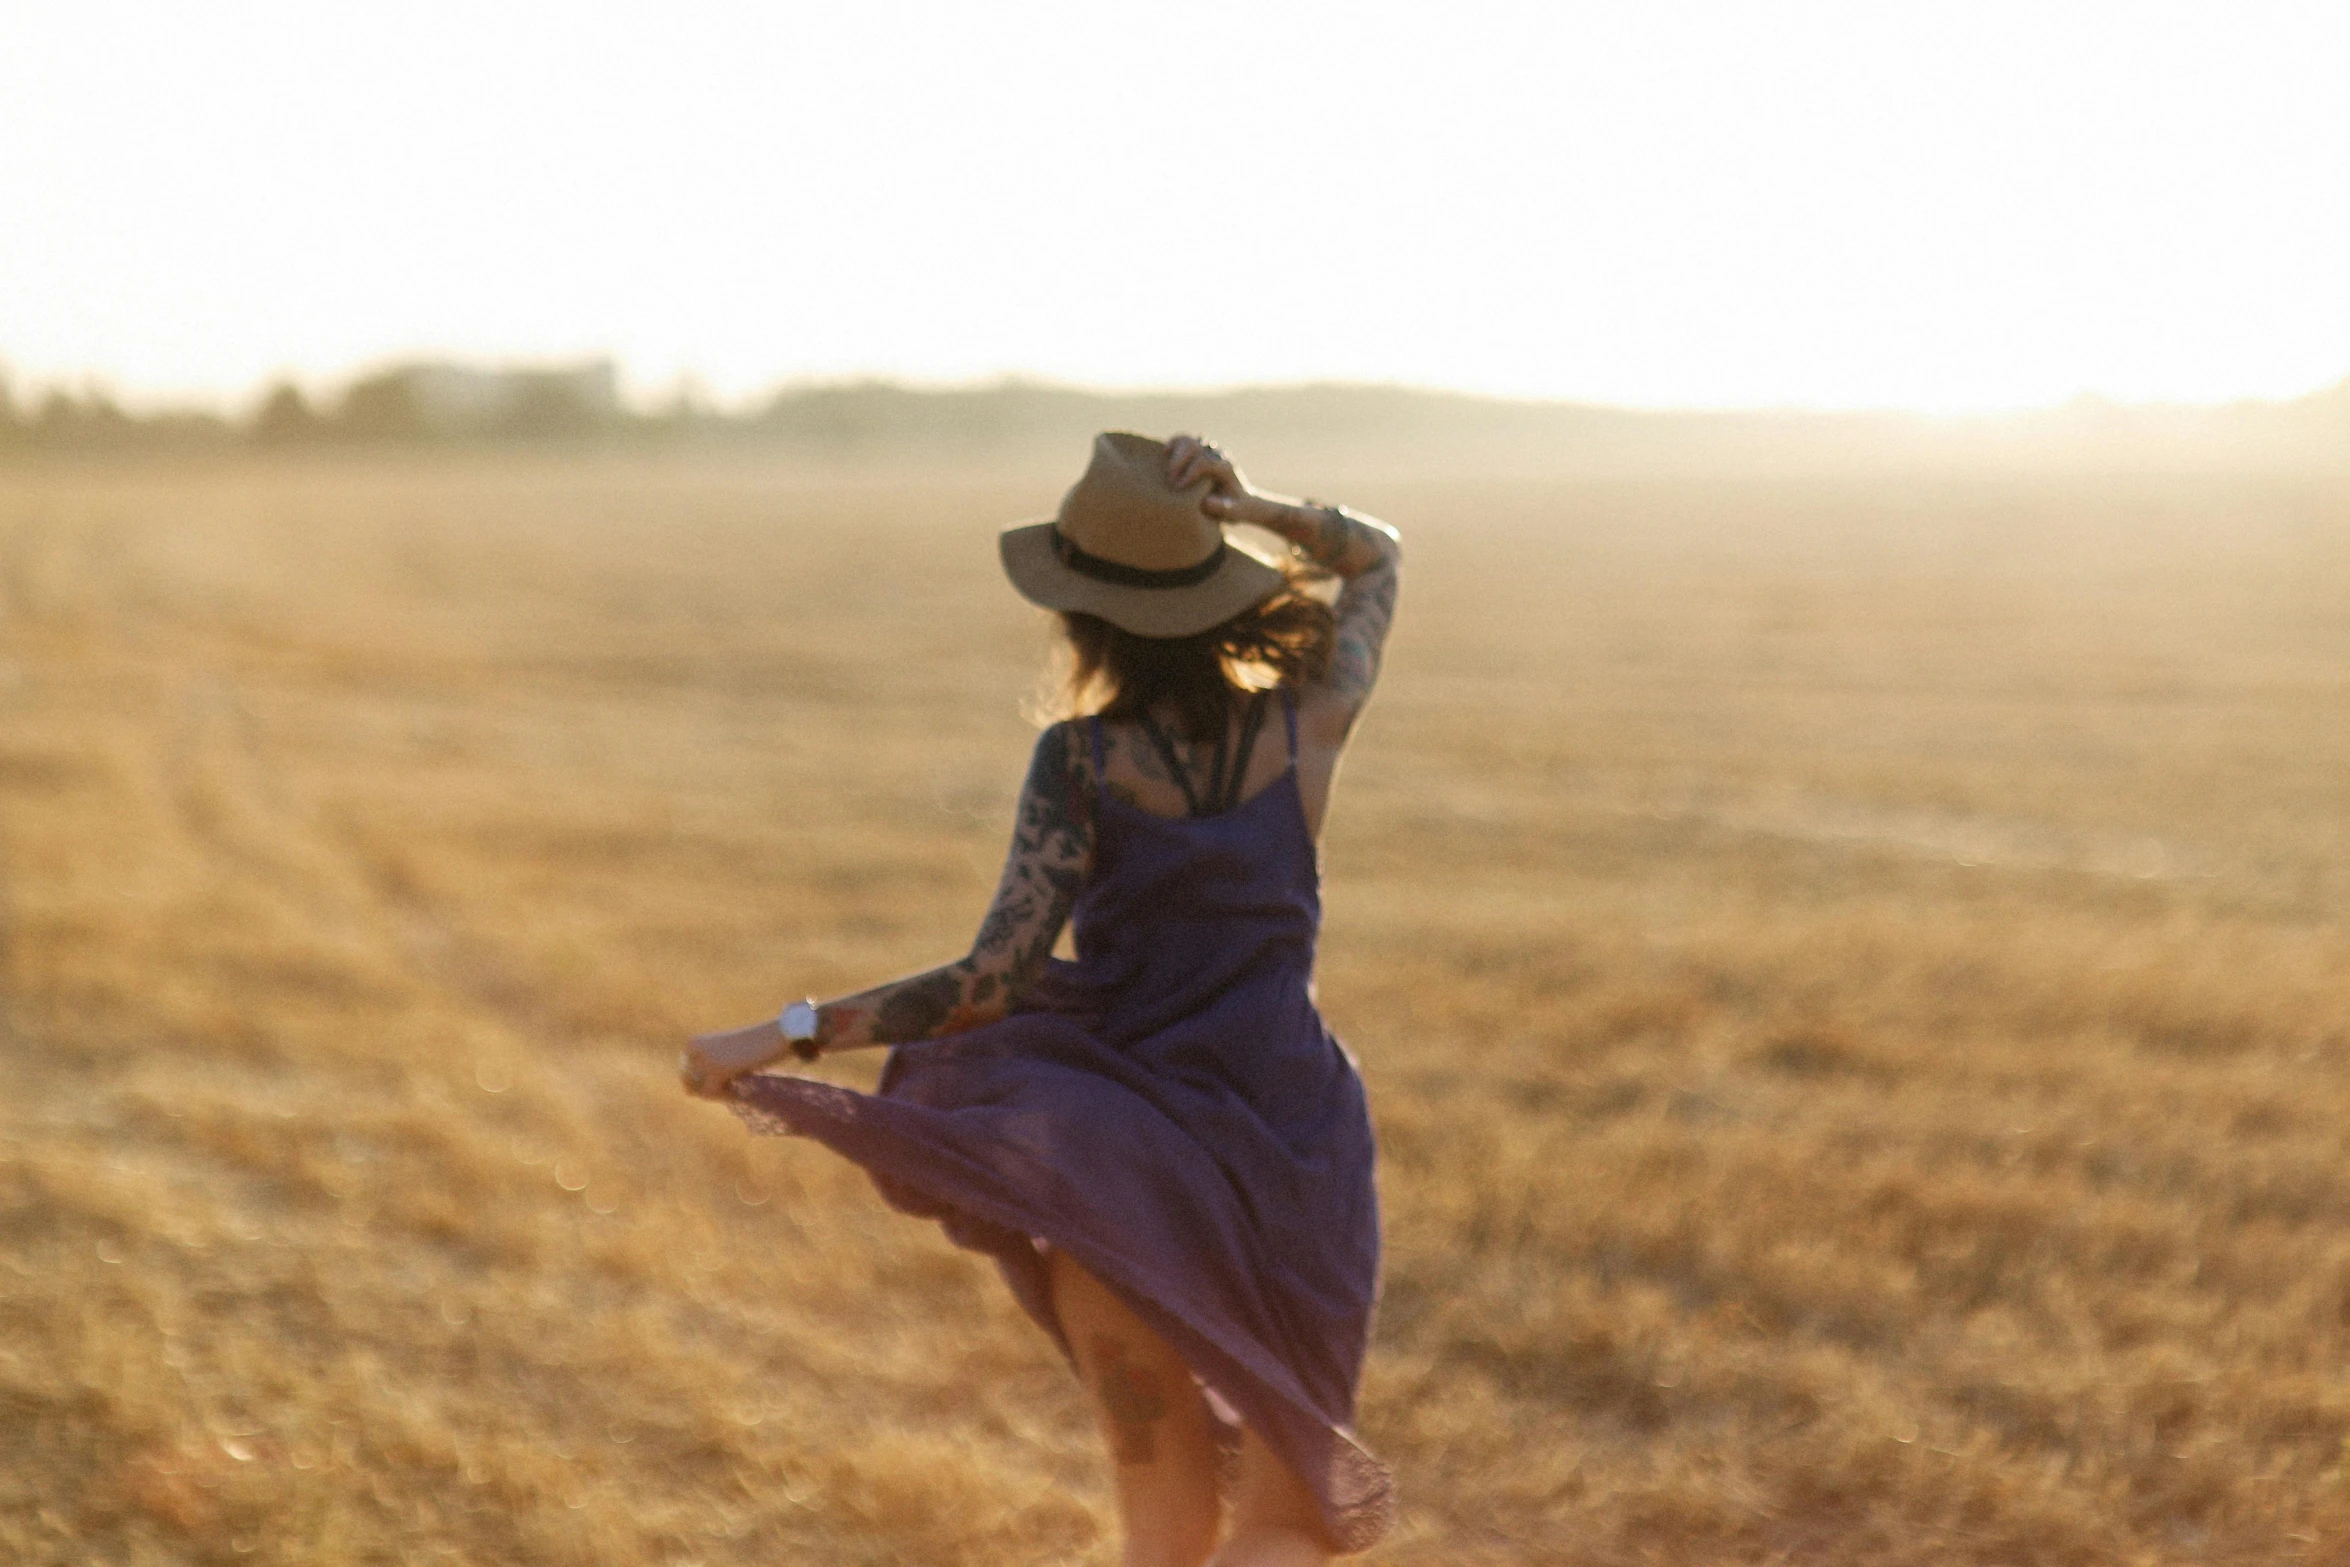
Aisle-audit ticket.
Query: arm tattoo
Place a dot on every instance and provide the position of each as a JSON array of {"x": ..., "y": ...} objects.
[
  {"x": 1366, "y": 608},
  {"x": 1132, "y": 1398},
  {"x": 1365, "y": 554},
  {"x": 914, "y": 1009},
  {"x": 1052, "y": 850},
  {"x": 1332, "y": 538},
  {"x": 1338, "y": 541}
]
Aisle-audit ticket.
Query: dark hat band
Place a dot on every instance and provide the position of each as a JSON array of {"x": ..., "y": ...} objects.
[{"x": 1126, "y": 576}]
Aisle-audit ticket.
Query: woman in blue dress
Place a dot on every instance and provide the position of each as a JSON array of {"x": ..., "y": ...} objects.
[{"x": 1163, "y": 1148}]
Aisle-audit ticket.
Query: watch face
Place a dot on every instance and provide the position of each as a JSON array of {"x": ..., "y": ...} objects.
[{"x": 799, "y": 1021}]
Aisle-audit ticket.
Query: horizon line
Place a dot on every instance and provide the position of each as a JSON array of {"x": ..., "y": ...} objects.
[{"x": 26, "y": 395}]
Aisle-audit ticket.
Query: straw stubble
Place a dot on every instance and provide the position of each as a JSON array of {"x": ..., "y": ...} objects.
[{"x": 1852, "y": 978}]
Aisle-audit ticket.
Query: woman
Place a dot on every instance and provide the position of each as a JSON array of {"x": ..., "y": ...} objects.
[{"x": 1162, "y": 1147}]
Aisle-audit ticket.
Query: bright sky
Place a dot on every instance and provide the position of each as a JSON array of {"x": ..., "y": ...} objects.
[{"x": 1934, "y": 205}]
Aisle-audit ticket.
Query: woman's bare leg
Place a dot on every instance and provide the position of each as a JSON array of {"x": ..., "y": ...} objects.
[
  {"x": 1153, "y": 1417},
  {"x": 1274, "y": 1520}
]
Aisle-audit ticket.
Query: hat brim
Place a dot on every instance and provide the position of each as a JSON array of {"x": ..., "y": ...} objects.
[{"x": 1037, "y": 570}]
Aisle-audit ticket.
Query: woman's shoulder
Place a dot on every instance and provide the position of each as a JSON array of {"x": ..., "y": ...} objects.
[{"x": 1065, "y": 752}]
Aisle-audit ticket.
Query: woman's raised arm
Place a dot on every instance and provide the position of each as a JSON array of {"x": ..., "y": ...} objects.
[
  {"x": 1368, "y": 556},
  {"x": 1364, "y": 553}
]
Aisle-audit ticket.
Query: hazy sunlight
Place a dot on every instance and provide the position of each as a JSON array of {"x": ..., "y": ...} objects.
[{"x": 1666, "y": 204}]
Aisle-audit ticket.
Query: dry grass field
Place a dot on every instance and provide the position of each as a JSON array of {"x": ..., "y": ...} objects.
[{"x": 1853, "y": 973}]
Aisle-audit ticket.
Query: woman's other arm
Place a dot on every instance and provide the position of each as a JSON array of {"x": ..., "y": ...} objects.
[
  {"x": 1367, "y": 556},
  {"x": 1052, "y": 848},
  {"x": 1364, "y": 553}
]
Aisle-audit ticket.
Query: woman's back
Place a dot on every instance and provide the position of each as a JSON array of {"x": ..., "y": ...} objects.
[
  {"x": 1171, "y": 776},
  {"x": 1321, "y": 714},
  {"x": 1198, "y": 921}
]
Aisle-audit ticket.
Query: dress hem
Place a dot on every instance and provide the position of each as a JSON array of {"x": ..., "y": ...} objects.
[{"x": 1354, "y": 1490}]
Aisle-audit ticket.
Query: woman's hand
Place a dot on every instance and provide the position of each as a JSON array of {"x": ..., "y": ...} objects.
[
  {"x": 712, "y": 1061},
  {"x": 1337, "y": 541},
  {"x": 1191, "y": 459}
]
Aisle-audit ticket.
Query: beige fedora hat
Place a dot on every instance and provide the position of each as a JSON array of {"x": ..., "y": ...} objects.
[{"x": 1133, "y": 549}]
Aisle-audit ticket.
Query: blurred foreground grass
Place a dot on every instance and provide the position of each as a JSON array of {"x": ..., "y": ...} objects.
[{"x": 1854, "y": 977}]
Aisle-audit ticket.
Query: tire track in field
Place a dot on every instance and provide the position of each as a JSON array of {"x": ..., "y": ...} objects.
[{"x": 238, "y": 807}]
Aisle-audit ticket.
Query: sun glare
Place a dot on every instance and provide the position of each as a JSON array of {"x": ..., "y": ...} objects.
[{"x": 1842, "y": 205}]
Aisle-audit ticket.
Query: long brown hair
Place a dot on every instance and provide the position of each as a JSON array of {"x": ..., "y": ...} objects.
[{"x": 1281, "y": 641}]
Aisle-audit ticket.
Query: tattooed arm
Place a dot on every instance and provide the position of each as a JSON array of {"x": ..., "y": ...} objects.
[
  {"x": 1052, "y": 849},
  {"x": 1368, "y": 557}
]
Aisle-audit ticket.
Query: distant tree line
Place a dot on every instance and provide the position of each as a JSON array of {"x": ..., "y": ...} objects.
[
  {"x": 439, "y": 404},
  {"x": 436, "y": 403},
  {"x": 408, "y": 403}
]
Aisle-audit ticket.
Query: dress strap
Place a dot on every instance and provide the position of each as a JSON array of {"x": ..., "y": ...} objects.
[
  {"x": 1289, "y": 712},
  {"x": 1251, "y": 721},
  {"x": 1214, "y": 798},
  {"x": 1174, "y": 761},
  {"x": 1093, "y": 727}
]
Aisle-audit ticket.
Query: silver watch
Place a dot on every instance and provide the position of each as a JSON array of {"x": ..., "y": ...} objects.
[{"x": 798, "y": 1023}]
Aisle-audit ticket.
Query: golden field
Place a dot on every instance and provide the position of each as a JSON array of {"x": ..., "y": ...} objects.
[{"x": 1853, "y": 975}]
